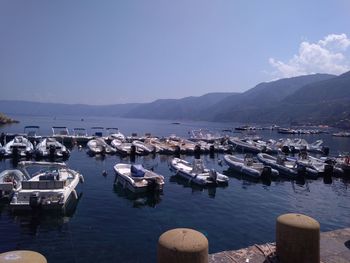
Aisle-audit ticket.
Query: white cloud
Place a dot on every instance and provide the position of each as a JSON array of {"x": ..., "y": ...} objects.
[{"x": 326, "y": 56}]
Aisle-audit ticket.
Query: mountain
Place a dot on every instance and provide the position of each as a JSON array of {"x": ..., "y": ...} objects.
[
  {"x": 316, "y": 99},
  {"x": 189, "y": 108},
  {"x": 53, "y": 109},
  {"x": 249, "y": 106}
]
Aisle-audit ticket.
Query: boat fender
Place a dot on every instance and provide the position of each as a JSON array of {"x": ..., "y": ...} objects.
[
  {"x": 81, "y": 179},
  {"x": 104, "y": 173},
  {"x": 74, "y": 193},
  {"x": 347, "y": 160}
]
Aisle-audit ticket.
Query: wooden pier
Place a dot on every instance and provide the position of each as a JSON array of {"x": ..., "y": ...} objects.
[{"x": 334, "y": 248}]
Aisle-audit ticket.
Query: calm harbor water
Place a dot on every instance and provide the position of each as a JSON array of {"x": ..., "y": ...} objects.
[{"x": 109, "y": 224}]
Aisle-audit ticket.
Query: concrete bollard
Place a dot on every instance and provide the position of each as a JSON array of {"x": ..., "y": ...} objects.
[
  {"x": 22, "y": 256},
  {"x": 182, "y": 245},
  {"x": 297, "y": 239}
]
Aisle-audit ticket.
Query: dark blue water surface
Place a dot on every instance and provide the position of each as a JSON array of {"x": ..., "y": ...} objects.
[{"x": 109, "y": 224}]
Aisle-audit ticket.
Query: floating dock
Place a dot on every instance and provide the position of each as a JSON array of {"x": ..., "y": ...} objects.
[{"x": 334, "y": 248}]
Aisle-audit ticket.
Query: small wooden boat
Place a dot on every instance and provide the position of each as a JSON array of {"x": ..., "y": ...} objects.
[
  {"x": 197, "y": 173},
  {"x": 138, "y": 179}
]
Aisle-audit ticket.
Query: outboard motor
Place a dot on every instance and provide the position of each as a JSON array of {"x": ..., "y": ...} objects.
[
  {"x": 301, "y": 171},
  {"x": 52, "y": 150},
  {"x": 211, "y": 149},
  {"x": 292, "y": 149},
  {"x": 213, "y": 175},
  {"x": 328, "y": 170},
  {"x": 132, "y": 149},
  {"x": 197, "y": 151},
  {"x": 285, "y": 149},
  {"x": 15, "y": 152},
  {"x": 177, "y": 151},
  {"x": 152, "y": 185},
  {"x": 325, "y": 150},
  {"x": 266, "y": 173},
  {"x": 35, "y": 200}
]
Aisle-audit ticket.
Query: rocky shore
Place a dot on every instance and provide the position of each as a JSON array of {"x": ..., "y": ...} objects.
[{"x": 6, "y": 120}]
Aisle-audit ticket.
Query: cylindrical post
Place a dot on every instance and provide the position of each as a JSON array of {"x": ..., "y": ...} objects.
[
  {"x": 22, "y": 256},
  {"x": 182, "y": 245},
  {"x": 297, "y": 239}
]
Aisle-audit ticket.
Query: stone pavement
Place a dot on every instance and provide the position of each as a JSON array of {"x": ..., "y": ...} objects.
[{"x": 335, "y": 248}]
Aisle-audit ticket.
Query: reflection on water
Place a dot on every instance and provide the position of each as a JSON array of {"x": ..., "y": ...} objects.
[{"x": 150, "y": 199}]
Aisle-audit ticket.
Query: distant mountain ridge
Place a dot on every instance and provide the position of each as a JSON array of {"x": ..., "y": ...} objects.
[{"x": 314, "y": 99}]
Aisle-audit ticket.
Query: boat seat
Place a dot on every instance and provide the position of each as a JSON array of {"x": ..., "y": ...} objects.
[{"x": 47, "y": 184}]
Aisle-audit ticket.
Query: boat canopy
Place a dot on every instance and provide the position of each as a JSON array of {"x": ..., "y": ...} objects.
[{"x": 137, "y": 170}]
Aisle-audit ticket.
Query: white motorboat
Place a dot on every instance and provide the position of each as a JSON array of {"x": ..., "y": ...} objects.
[
  {"x": 343, "y": 162},
  {"x": 318, "y": 166},
  {"x": 61, "y": 134},
  {"x": 11, "y": 181},
  {"x": 114, "y": 133},
  {"x": 138, "y": 179},
  {"x": 51, "y": 187},
  {"x": 97, "y": 132},
  {"x": 285, "y": 167},
  {"x": 204, "y": 135},
  {"x": 80, "y": 136},
  {"x": 99, "y": 146},
  {"x": 197, "y": 173},
  {"x": 248, "y": 145},
  {"x": 18, "y": 147},
  {"x": 248, "y": 166},
  {"x": 32, "y": 133},
  {"x": 51, "y": 148},
  {"x": 143, "y": 147}
]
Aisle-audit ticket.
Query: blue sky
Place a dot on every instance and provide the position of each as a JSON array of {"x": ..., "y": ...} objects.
[{"x": 106, "y": 52}]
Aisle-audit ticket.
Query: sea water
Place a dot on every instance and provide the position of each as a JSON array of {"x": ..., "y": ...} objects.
[{"x": 109, "y": 224}]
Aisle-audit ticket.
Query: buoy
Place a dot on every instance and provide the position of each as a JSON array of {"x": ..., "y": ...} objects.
[{"x": 104, "y": 173}]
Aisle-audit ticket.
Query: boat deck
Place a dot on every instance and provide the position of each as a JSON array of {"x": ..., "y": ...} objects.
[{"x": 334, "y": 245}]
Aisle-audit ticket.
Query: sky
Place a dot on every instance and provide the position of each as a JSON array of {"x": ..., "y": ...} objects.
[{"x": 121, "y": 51}]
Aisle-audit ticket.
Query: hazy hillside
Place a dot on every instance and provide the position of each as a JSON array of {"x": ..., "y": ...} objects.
[
  {"x": 327, "y": 90},
  {"x": 189, "y": 108},
  {"x": 53, "y": 109},
  {"x": 318, "y": 98},
  {"x": 248, "y": 106}
]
